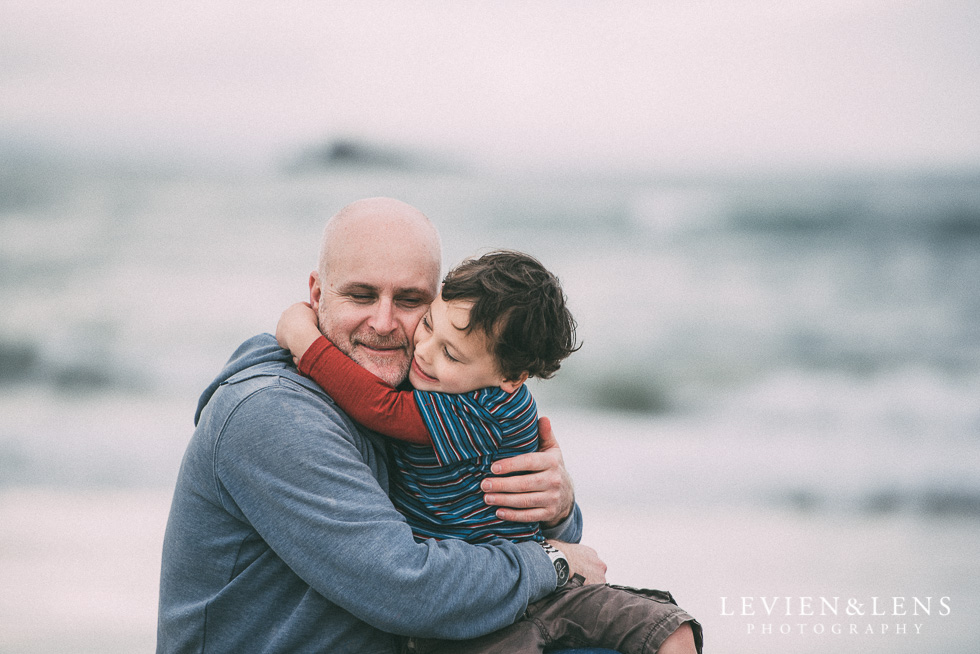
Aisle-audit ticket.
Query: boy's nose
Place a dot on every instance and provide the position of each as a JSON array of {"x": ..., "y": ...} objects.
[{"x": 422, "y": 348}]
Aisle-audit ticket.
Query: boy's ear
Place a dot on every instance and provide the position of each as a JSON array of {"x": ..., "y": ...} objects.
[{"x": 511, "y": 385}]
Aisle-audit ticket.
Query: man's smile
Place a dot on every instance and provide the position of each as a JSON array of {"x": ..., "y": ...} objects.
[{"x": 382, "y": 349}]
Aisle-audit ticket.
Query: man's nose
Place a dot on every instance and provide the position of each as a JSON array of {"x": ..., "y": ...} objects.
[{"x": 383, "y": 320}]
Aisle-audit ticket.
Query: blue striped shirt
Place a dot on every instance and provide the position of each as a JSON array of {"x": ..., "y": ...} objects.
[{"x": 437, "y": 487}]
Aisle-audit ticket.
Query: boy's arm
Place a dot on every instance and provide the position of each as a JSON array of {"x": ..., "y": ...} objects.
[
  {"x": 362, "y": 395},
  {"x": 297, "y": 329}
]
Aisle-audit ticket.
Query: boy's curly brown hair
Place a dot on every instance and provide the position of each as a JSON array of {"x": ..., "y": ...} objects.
[{"x": 521, "y": 308}]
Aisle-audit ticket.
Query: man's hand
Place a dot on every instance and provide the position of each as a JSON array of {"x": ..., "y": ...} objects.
[
  {"x": 544, "y": 494},
  {"x": 583, "y": 560}
]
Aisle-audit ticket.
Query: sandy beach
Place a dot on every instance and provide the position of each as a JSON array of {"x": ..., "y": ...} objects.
[{"x": 80, "y": 569}]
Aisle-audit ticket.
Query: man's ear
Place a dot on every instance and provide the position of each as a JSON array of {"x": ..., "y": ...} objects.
[
  {"x": 315, "y": 291},
  {"x": 511, "y": 385}
]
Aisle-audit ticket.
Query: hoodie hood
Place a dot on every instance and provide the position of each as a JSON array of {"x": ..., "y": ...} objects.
[{"x": 259, "y": 355}]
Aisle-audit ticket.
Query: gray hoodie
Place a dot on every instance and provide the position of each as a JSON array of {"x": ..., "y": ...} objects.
[{"x": 282, "y": 538}]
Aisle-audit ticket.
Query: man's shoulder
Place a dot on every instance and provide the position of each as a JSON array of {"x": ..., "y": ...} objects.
[
  {"x": 260, "y": 393},
  {"x": 259, "y": 377},
  {"x": 276, "y": 389},
  {"x": 266, "y": 407}
]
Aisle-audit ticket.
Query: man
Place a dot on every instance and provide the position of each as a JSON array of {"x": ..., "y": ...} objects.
[{"x": 281, "y": 537}]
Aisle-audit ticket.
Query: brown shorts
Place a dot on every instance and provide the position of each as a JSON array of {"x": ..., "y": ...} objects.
[{"x": 628, "y": 620}]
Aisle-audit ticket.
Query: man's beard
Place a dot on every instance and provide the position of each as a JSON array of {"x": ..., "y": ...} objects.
[{"x": 392, "y": 371}]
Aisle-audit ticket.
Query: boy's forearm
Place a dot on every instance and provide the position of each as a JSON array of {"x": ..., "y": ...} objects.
[
  {"x": 300, "y": 340},
  {"x": 364, "y": 396},
  {"x": 297, "y": 329}
]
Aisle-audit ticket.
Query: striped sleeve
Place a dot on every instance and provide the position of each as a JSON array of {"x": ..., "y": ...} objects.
[{"x": 477, "y": 424}]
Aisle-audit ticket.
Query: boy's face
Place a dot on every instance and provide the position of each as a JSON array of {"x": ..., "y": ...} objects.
[{"x": 450, "y": 359}]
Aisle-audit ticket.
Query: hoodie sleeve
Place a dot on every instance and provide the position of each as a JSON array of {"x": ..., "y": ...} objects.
[{"x": 304, "y": 480}]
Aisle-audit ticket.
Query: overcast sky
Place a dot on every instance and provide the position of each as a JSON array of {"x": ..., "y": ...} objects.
[{"x": 716, "y": 83}]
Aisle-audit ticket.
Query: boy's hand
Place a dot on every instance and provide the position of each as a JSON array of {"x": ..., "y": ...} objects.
[
  {"x": 297, "y": 329},
  {"x": 544, "y": 494}
]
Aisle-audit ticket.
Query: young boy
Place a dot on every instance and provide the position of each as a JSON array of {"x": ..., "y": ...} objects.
[{"x": 499, "y": 320}]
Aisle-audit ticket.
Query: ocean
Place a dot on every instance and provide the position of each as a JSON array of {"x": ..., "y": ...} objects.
[{"x": 774, "y": 412}]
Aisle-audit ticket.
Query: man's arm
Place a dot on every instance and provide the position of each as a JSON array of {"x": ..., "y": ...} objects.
[
  {"x": 306, "y": 482},
  {"x": 544, "y": 494},
  {"x": 583, "y": 560}
]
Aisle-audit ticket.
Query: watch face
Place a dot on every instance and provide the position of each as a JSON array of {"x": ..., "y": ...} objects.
[{"x": 561, "y": 567}]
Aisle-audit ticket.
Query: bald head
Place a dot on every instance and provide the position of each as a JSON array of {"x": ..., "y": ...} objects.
[
  {"x": 383, "y": 225},
  {"x": 378, "y": 271}
]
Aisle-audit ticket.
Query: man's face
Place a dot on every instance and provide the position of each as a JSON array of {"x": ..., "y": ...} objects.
[{"x": 371, "y": 298}]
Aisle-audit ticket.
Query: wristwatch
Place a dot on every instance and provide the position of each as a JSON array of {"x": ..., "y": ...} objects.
[{"x": 559, "y": 561}]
